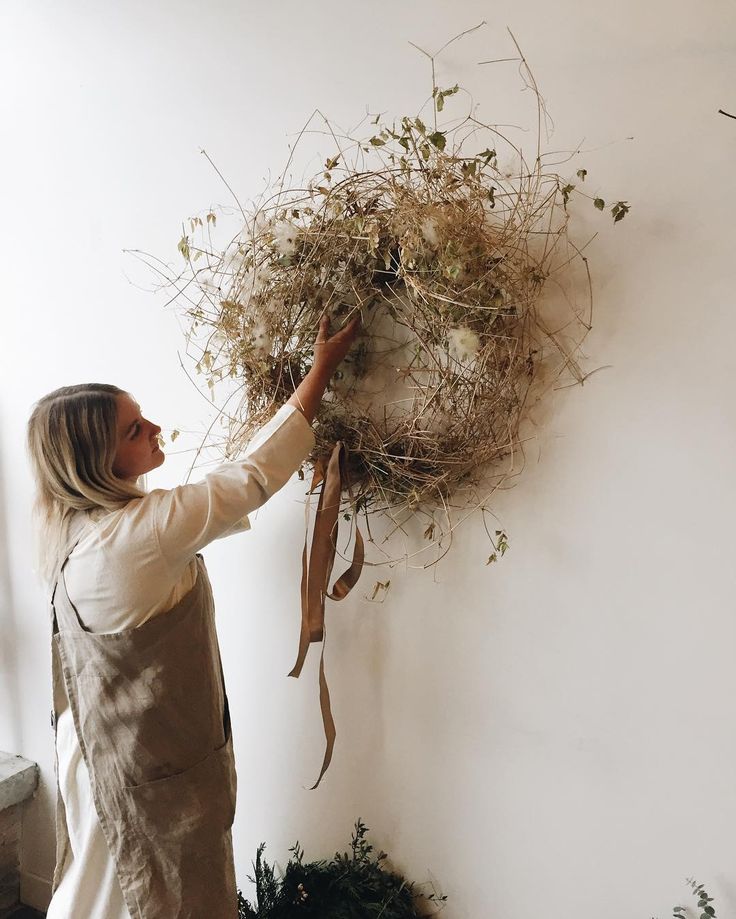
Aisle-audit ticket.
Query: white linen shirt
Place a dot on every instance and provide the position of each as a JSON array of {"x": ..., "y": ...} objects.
[{"x": 132, "y": 564}]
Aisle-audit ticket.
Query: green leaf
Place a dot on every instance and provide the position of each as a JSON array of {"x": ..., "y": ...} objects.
[
  {"x": 377, "y": 142},
  {"x": 332, "y": 162},
  {"x": 440, "y": 102},
  {"x": 404, "y": 141},
  {"x": 599, "y": 203},
  {"x": 174, "y": 435},
  {"x": 420, "y": 126},
  {"x": 487, "y": 155},
  {"x": 581, "y": 174},
  {"x": 183, "y": 247},
  {"x": 566, "y": 189},
  {"x": 425, "y": 150},
  {"x": 438, "y": 139}
]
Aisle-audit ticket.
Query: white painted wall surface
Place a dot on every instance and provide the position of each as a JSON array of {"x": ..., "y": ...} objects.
[{"x": 554, "y": 735}]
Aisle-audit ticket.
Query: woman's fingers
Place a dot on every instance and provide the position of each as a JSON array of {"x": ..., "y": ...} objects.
[
  {"x": 324, "y": 327},
  {"x": 330, "y": 350},
  {"x": 349, "y": 329}
]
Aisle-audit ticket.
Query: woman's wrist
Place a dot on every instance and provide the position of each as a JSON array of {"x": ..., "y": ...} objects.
[
  {"x": 323, "y": 371},
  {"x": 309, "y": 392}
]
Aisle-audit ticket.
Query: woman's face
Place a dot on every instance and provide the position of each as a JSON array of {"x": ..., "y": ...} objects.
[{"x": 138, "y": 449}]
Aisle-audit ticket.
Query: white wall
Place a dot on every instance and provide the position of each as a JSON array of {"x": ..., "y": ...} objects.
[{"x": 553, "y": 735}]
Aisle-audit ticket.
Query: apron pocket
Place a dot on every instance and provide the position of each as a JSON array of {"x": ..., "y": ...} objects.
[{"x": 188, "y": 805}]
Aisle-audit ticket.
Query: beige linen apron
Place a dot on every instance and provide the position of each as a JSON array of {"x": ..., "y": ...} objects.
[{"x": 151, "y": 714}]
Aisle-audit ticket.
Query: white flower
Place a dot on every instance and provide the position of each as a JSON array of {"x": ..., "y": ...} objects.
[
  {"x": 429, "y": 232},
  {"x": 234, "y": 258},
  {"x": 207, "y": 282},
  {"x": 252, "y": 282},
  {"x": 463, "y": 343},
  {"x": 284, "y": 237},
  {"x": 261, "y": 338}
]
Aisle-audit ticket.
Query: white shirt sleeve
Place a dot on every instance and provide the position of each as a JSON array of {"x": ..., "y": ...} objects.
[{"x": 188, "y": 517}]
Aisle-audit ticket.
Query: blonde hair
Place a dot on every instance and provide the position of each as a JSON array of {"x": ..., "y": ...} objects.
[{"x": 72, "y": 442}]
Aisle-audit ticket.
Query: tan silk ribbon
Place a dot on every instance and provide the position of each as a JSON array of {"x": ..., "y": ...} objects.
[{"x": 316, "y": 570}]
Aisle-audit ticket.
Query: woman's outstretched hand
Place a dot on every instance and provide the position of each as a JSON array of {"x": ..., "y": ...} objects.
[{"x": 329, "y": 351}]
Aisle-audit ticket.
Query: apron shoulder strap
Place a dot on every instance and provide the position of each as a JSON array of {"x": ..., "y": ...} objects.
[{"x": 76, "y": 529}]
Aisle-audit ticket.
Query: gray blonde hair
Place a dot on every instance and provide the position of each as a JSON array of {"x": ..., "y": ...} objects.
[{"x": 72, "y": 442}]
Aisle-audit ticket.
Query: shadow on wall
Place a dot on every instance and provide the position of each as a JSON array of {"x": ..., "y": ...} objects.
[{"x": 9, "y": 688}]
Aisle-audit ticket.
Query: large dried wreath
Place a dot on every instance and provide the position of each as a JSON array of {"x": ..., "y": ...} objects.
[{"x": 444, "y": 252}]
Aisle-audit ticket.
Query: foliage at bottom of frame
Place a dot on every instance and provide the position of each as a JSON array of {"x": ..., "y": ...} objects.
[
  {"x": 352, "y": 885},
  {"x": 707, "y": 911}
]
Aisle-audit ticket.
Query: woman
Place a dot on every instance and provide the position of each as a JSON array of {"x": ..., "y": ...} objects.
[{"x": 145, "y": 770}]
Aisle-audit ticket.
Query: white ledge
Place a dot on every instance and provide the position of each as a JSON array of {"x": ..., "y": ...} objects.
[{"x": 18, "y": 779}]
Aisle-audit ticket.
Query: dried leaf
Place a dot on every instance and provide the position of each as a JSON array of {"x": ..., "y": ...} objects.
[{"x": 619, "y": 210}]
